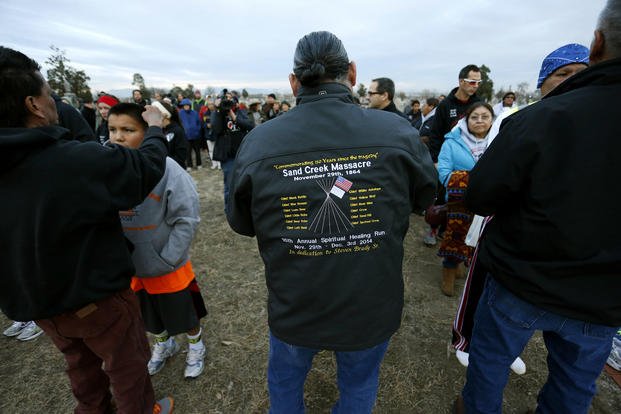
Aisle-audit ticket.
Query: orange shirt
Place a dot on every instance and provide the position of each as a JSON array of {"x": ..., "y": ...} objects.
[{"x": 168, "y": 283}]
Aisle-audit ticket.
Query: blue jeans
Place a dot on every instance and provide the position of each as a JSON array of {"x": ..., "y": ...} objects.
[
  {"x": 504, "y": 324},
  {"x": 227, "y": 169},
  {"x": 357, "y": 377}
]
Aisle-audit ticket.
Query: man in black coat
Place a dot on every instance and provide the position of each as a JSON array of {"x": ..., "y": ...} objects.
[
  {"x": 328, "y": 189},
  {"x": 381, "y": 94},
  {"x": 552, "y": 250},
  {"x": 65, "y": 262}
]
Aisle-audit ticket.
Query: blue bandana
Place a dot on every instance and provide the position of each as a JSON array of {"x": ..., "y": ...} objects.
[{"x": 563, "y": 56}]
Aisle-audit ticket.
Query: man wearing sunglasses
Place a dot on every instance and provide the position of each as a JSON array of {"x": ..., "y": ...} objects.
[
  {"x": 452, "y": 109},
  {"x": 381, "y": 93}
]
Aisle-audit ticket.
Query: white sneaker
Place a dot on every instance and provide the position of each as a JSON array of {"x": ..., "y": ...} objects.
[
  {"x": 30, "y": 332},
  {"x": 518, "y": 366},
  {"x": 614, "y": 360},
  {"x": 200, "y": 167},
  {"x": 429, "y": 239},
  {"x": 161, "y": 352},
  {"x": 15, "y": 329},
  {"x": 195, "y": 362}
]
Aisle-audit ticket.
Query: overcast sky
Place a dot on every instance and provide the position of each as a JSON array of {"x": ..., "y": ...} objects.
[{"x": 419, "y": 44}]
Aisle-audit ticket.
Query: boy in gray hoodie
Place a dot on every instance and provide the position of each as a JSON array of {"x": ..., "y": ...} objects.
[{"x": 161, "y": 229}]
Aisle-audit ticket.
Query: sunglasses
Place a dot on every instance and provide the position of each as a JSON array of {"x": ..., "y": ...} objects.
[{"x": 472, "y": 82}]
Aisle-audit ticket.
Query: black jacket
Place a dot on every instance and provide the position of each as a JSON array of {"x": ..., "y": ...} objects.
[
  {"x": 416, "y": 119},
  {"x": 177, "y": 143},
  {"x": 448, "y": 112},
  {"x": 551, "y": 179},
  {"x": 90, "y": 116},
  {"x": 391, "y": 107},
  {"x": 227, "y": 134},
  {"x": 72, "y": 119},
  {"x": 102, "y": 134},
  {"x": 61, "y": 243},
  {"x": 332, "y": 247}
]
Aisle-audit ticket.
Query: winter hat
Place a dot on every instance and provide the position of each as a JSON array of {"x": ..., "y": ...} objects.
[
  {"x": 108, "y": 100},
  {"x": 563, "y": 56},
  {"x": 185, "y": 101}
]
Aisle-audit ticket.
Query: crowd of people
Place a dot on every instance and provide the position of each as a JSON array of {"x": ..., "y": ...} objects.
[{"x": 98, "y": 251}]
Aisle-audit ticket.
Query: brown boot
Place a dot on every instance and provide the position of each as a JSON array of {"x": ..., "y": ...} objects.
[
  {"x": 458, "y": 406},
  {"x": 461, "y": 271},
  {"x": 448, "y": 281}
]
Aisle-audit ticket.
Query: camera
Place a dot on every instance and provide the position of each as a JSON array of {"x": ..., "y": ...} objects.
[{"x": 226, "y": 104}]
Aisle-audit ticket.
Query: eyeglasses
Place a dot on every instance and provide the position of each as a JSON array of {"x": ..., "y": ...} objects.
[
  {"x": 472, "y": 82},
  {"x": 374, "y": 93}
]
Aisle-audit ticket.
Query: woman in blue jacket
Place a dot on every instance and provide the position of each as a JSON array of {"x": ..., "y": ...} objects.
[{"x": 462, "y": 148}]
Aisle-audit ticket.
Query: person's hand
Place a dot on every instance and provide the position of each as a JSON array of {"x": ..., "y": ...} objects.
[
  {"x": 152, "y": 116},
  {"x": 232, "y": 115}
]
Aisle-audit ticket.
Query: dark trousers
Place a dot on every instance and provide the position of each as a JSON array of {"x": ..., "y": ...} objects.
[
  {"x": 105, "y": 345},
  {"x": 195, "y": 145}
]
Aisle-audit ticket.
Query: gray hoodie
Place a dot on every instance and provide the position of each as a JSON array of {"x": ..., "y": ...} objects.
[{"x": 163, "y": 225}]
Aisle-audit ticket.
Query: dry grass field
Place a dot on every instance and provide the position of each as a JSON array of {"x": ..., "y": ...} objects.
[{"x": 419, "y": 374}]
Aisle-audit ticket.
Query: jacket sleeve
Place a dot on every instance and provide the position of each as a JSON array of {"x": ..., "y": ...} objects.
[
  {"x": 496, "y": 179},
  {"x": 129, "y": 175},
  {"x": 239, "y": 205},
  {"x": 425, "y": 179},
  {"x": 182, "y": 214},
  {"x": 197, "y": 121},
  {"x": 75, "y": 122},
  {"x": 217, "y": 123},
  {"x": 436, "y": 132},
  {"x": 178, "y": 145},
  {"x": 243, "y": 120},
  {"x": 445, "y": 162}
]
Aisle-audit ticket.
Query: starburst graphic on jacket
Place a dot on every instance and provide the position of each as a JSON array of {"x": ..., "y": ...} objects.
[{"x": 330, "y": 218}]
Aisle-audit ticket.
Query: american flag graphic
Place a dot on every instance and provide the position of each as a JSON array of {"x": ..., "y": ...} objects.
[
  {"x": 343, "y": 183},
  {"x": 340, "y": 187}
]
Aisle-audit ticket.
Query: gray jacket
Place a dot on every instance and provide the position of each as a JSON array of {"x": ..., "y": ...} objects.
[{"x": 163, "y": 225}]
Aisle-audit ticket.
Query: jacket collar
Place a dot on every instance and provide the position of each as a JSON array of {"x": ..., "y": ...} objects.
[
  {"x": 391, "y": 107},
  {"x": 324, "y": 90},
  {"x": 604, "y": 73}
]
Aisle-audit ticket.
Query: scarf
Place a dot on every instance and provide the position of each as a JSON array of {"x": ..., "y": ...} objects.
[{"x": 476, "y": 145}]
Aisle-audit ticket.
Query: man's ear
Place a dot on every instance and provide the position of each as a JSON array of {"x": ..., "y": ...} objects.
[
  {"x": 598, "y": 48},
  {"x": 33, "y": 107},
  {"x": 351, "y": 74},
  {"x": 295, "y": 85},
  {"x": 31, "y": 104}
]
